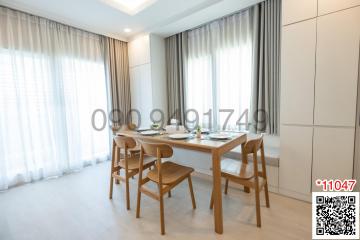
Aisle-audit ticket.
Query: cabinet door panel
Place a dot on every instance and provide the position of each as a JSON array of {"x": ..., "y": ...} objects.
[
  {"x": 337, "y": 62},
  {"x": 328, "y": 6},
  {"x": 295, "y": 10},
  {"x": 141, "y": 94},
  {"x": 298, "y": 73},
  {"x": 139, "y": 51},
  {"x": 295, "y": 159},
  {"x": 333, "y": 154}
]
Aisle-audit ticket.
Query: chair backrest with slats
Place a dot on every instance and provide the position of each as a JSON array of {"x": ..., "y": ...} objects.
[
  {"x": 158, "y": 150},
  {"x": 252, "y": 147},
  {"x": 153, "y": 149},
  {"x": 124, "y": 142}
]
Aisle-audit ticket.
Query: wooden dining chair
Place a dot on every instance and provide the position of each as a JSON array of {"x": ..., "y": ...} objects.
[
  {"x": 249, "y": 176},
  {"x": 126, "y": 127},
  {"x": 165, "y": 174},
  {"x": 127, "y": 161},
  {"x": 133, "y": 151}
]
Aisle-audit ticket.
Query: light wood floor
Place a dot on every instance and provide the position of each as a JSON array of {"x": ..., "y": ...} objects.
[{"x": 77, "y": 207}]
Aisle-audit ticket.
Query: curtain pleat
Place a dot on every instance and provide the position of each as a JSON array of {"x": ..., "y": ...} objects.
[
  {"x": 119, "y": 79},
  {"x": 265, "y": 101},
  {"x": 176, "y": 57}
]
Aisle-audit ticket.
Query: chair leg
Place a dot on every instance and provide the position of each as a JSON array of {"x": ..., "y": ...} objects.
[
  {"x": 267, "y": 195},
  {"x": 112, "y": 170},
  {"x": 162, "y": 223},
  {"x": 116, "y": 157},
  {"x": 226, "y": 186},
  {"x": 111, "y": 186},
  {"x": 127, "y": 194},
  {"x": 212, "y": 200},
  {"x": 258, "y": 215},
  {"x": 117, "y": 181},
  {"x": 138, "y": 202},
  {"x": 169, "y": 194},
  {"x": 192, "y": 192}
]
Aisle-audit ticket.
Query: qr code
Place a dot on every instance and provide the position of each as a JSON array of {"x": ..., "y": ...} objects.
[{"x": 335, "y": 215}]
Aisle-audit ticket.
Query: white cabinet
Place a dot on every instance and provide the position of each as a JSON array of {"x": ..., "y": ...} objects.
[
  {"x": 328, "y": 6},
  {"x": 337, "y": 61},
  {"x": 147, "y": 78},
  {"x": 298, "y": 10},
  {"x": 295, "y": 159},
  {"x": 333, "y": 154},
  {"x": 298, "y": 72},
  {"x": 139, "y": 51},
  {"x": 319, "y": 82},
  {"x": 141, "y": 94},
  {"x": 158, "y": 72}
]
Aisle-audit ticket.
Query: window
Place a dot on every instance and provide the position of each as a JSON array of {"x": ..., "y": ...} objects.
[
  {"x": 219, "y": 84},
  {"x": 52, "y": 79},
  {"x": 85, "y": 91},
  {"x": 46, "y": 114},
  {"x": 219, "y": 72}
]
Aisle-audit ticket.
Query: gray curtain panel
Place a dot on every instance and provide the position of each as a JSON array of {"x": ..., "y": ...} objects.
[
  {"x": 265, "y": 102},
  {"x": 117, "y": 62},
  {"x": 176, "y": 54}
]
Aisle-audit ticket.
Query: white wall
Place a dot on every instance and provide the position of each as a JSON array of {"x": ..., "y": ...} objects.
[
  {"x": 140, "y": 79},
  {"x": 139, "y": 51},
  {"x": 158, "y": 73},
  {"x": 147, "y": 77},
  {"x": 320, "y": 64}
]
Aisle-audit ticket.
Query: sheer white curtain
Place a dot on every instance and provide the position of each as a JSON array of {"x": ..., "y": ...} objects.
[
  {"x": 52, "y": 78},
  {"x": 219, "y": 71}
]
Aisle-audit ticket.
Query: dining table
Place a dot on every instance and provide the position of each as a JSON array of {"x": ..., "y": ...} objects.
[{"x": 204, "y": 144}]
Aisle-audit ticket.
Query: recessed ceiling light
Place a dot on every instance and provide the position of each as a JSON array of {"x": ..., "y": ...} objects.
[
  {"x": 127, "y": 30},
  {"x": 130, "y": 7}
]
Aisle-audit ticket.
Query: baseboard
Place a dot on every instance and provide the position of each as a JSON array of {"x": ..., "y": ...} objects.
[{"x": 296, "y": 195}]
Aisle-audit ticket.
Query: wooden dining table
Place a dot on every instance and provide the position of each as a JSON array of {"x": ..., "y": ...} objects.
[{"x": 204, "y": 144}]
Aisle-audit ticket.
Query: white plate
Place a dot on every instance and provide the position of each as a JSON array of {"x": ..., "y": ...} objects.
[
  {"x": 149, "y": 133},
  {"x": 219, "y": 136},
  {"x": 180, "y": 136}
]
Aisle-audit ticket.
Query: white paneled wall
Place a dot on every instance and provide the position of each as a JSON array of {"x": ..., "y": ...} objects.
[
  {"x": 295, "y": 159},
  {"x": 337, "y": 68},
  {"x": 320, "y": 66},
  {"x": 158, "y": 73},
  {"x": 298, "y": 65},
  {"x": 328, "y": 6},
  {"x": 147, "y": 78},
  {"x": 139, "y": 51},
  {"x": 333, "y": 154},
  {"x": 140, "y": 89},
  {"x": 298, "y": 10}
]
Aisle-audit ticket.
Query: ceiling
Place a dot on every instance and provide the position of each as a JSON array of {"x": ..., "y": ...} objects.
[{"x": 163, "y": 17}]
